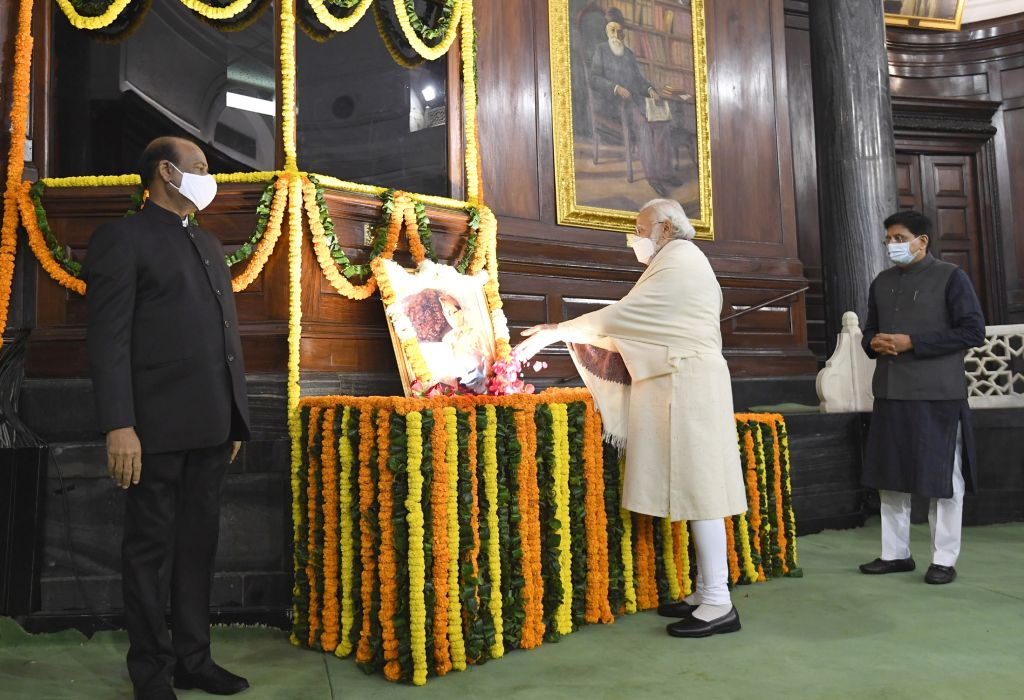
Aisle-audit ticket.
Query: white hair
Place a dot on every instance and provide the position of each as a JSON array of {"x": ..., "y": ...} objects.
[{"x": 672, "y": 211}]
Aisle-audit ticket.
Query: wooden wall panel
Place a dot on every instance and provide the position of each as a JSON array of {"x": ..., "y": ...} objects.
[
  {"x": 981, "y": 64},
  {"x": 545, "y": 267}
]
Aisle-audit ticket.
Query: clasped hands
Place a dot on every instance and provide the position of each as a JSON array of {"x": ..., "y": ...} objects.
[
  {"x": 626, "y": 94},
  {"x": 891, "y": 343},
  {"x": 124, "y": 456}
]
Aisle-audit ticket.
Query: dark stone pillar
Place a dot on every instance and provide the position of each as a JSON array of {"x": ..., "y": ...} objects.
[{"x": 855, "y": 149}]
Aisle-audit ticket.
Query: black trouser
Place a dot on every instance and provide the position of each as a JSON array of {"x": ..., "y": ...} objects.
[{"x": 172, "y": 519}]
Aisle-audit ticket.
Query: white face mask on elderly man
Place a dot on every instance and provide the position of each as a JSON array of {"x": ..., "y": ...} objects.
[
  {"x": 643, "y": 249},
  {"x": 198, "y": 189}
]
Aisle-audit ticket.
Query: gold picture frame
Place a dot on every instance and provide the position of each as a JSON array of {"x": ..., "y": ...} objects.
[
  {"x": 590, "y": 193},
  {"x": 924, "y": 14}
]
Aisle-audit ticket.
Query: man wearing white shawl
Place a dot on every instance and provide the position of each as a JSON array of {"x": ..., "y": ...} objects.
[{"x": 668, "y": 400}]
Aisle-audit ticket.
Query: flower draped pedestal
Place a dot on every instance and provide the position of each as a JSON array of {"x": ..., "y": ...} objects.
[{"x": 432, "y": 533}]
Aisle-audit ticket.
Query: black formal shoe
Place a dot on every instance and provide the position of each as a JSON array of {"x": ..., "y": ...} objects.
[
  {"x": 692, "y": 627},
  {"x": 888, "y": 566},
  {"x": 940, "y": 574},
  {"x": 679, "y": 609},
  {"x": 160, "y": 692},
  {"x": 216, "y": 681}
]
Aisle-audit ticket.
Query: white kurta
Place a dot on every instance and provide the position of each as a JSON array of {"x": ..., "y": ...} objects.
[{"x": 682, "y": 458}]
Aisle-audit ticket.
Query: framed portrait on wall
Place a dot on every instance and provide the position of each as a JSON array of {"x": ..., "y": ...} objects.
[
  {"x": 924, "y": 14},
  {"x": 629, "y": 110},
  {"x": 441, "y": 327}
]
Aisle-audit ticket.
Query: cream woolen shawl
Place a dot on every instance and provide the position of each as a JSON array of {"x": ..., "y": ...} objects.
[{"x": 674, "y": 410}]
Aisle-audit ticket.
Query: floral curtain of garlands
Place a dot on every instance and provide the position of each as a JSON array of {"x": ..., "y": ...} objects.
[{"x": 289, "y": 190}]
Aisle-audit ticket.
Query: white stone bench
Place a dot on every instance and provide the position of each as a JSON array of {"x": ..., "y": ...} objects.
[{"x": 995, "y": 371}]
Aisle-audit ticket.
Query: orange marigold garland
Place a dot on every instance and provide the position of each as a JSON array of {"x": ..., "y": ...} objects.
[
  {"x": 439, "y": 529},
  {"x": 311, "y": 509},
  {"x": 780, "y": 518},
  {"x": 730, "y": 540},
  {"x": 388, "y": 565},
  {"x": 258, "y": 260},
  {"x": 647, "y": 595},
  {"x": 329, "y": 461},
  {"x": 367, "y": 552},
  {"x": 529, "y": 529},
  {"x": 20, "y": 82},
  {"x": 597, "y": 608}
]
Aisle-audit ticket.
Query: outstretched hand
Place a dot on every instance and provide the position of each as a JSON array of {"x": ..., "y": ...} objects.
[{"x": 537, "y": 338}]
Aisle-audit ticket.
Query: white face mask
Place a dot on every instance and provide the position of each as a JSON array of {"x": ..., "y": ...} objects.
[
  {"x": 900, "y": 253},
  {"x": 643, "y": 249},
  {"x": 198, "y": 189}
]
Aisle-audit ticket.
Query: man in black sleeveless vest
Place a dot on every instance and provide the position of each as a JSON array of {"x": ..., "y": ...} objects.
[
  {"x": 166, "y": 364},
  {"x": 923, "y": 316}
]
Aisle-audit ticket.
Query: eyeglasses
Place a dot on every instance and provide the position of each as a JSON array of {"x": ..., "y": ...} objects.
[
  {"x": 638, "y": 228},
  {"x": 899, "y": 238}
]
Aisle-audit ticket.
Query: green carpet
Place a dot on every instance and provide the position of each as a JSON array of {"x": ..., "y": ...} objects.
[{"x": 833, "y": 634}]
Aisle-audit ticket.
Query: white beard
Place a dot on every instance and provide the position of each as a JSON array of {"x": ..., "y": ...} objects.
[{"x": 617, "y": 47}]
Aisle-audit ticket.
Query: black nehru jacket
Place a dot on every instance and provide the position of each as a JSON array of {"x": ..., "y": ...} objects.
[{"x": 164, "y": 349}]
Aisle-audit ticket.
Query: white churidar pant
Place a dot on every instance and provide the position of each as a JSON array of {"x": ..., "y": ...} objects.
[{"x": 944, "y": 519}]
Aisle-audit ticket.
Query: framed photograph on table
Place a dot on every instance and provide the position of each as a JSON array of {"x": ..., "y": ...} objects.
[
  {"x": 440, "y": 324},
  {"x": 629, "y": 110},
  {"x": 924, "y": 14}
]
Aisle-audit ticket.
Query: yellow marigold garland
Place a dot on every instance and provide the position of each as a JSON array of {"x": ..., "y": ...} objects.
[
  {"x": 681, "y": 553},
  {"x": 560, "y": 430},
  {"x": 428, "y": 52},
  {"x": 323, "y": 251},
  {"x": 417, "y": 567},
  {"x": 258, "y": 260},
  {"x": 669, "y": 557},
  {"x": 627, "y": 549},
  {"x": 455, "y": 640},
  {"x": 332, "y": 604},
  {"x": 490, "y": 439},
  {"x": 749, "y": 570},
  {"x": 346, "y": 460},
  {"x": 410, "y": 346},
  {"x": 389, "y": 44},
  {"x": 439, "y": 532},
  {"x": 79, "y": 21},
  {"x": 214, "y": 12},
  {"x": 753, "y": 493},
  {"x": 469, "y": 101},
  {"x": 339, "y": 24},
  {"x": 287, "y": 68},
  {"x": 294, "y": 335}
]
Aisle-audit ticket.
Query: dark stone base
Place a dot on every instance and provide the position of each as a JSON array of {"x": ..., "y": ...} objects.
[{"x": 253, "y": 567}]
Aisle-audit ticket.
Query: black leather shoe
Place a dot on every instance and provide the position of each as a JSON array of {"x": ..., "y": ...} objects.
[
  {"x": 888, "y": 566},
  {"x": 678, "y": 609},
  {"x": 692, "y": 627},
  {"x": 216, "y": 681},
  {"x": 160, "y": 692},
  {"x": 940, "y": 574}
]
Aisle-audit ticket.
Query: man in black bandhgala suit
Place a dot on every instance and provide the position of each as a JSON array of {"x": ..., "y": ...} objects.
[{"x": 169, "y": 381}]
